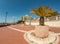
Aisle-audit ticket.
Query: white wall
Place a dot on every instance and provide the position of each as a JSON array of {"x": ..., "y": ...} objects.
[
  {"x": 53, "y": 23},
  {"x": 32, "y": 23},
  {"x": 50, "y": 23}
]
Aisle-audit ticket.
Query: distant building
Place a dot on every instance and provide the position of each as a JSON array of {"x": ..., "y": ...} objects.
[
  {"x": 29, "y": 20},
  {"x": 52, "y": 18},
  {"x": 26, "y": 18}
]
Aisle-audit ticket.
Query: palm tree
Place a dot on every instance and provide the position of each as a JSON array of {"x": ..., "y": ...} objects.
[{"x": 44, "y": 11}]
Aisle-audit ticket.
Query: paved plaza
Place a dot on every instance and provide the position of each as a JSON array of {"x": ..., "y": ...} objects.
[{"x": 14, "y": 34}]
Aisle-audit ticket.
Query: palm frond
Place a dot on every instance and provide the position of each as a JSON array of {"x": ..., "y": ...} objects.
[
  {"x": 44, "y": 11},
  {"x": 36, "y": 12}
]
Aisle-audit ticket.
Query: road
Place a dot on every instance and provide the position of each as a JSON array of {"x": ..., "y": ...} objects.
[{"x": 10, "y": 36}]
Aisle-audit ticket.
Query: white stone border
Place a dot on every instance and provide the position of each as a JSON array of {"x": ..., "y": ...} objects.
[
  {"x": 16, "y": 29},
  {"x": 25, "y": 37}
]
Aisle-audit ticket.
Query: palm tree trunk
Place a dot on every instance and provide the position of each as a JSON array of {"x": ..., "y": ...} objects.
[{"x": 41, "y": 21}]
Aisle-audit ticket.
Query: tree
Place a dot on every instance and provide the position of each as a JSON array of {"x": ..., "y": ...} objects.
[
  {"x": 20, "y": 21},
  {"x": 44, "y": 11}
]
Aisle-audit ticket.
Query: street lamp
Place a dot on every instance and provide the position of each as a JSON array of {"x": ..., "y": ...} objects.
[
  {"x": 14, "y": 19},
  {"x": 6, "y": 17}
]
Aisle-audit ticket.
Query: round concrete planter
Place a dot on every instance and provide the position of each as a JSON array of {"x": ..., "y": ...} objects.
[
  {"x": 32, "y": 39},
  {"x": 41, "y": 31}
]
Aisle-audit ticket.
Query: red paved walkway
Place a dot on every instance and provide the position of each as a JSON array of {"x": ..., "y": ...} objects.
[{"x": 8, "y": 36}]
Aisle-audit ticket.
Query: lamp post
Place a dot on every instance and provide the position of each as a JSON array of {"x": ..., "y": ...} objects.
[
  {"x": 13, "y": 19},
  {"x": 6, "y": 17}
]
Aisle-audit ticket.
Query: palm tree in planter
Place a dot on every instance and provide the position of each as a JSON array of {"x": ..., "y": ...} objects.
[{"x": 43, "y": 11}]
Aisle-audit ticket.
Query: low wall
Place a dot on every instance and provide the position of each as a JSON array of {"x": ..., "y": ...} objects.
[
  {"x": 53, "y": 23},
  {"x": 32, "y": 23},
  {"x": 50, "y": 23}
]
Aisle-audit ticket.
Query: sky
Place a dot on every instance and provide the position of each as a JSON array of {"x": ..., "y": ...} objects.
[{"x": 18, "y": 8}]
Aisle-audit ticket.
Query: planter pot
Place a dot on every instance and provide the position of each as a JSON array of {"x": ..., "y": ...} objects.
[{"x": 41, "y": 31}]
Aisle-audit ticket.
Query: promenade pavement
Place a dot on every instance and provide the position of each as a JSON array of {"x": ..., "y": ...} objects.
[{"x": 10, "y": 36}]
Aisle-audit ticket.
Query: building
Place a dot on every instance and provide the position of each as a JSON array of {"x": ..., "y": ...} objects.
[
  {"x": 26, "y": 18},
  {"x": 53, "y": 18},
  {"x": 35, "y": 21}
]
